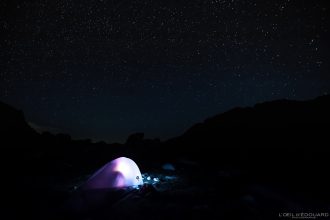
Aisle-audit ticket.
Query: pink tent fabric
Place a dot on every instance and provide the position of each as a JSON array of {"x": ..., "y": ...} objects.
[{"x": 121, "y": 172}]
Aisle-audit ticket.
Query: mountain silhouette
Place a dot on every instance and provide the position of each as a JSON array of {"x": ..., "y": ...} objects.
[
  {"x": 265, "y": 125},
  {"x": 13, "y": 123},
  {"x": 277, "y": 114},
  {"x": 268, "y": 119}
]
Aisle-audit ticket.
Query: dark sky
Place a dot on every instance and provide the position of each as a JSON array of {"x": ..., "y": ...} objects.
[{"x": 105, "y": 69}]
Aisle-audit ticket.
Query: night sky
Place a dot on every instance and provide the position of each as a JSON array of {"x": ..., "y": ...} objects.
[{"x": 106, "y": 69}]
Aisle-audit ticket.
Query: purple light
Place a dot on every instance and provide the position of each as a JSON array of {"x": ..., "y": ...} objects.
[{"x": 121, "y": 172}]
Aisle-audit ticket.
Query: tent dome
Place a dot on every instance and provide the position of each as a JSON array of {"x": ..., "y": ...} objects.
[{"x": 121, "y": 172}]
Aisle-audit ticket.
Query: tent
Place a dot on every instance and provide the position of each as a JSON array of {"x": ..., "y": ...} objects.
[{"x": 121, "y": 172}]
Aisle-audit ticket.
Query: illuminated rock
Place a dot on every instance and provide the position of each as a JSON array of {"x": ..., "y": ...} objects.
[{"x": 121, "y": 172}]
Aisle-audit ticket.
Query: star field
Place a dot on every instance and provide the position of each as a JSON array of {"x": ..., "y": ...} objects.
[{"x": 105, "y": 69}]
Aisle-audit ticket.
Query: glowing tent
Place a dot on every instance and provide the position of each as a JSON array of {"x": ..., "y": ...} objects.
[{"x": 121, "y": 172}]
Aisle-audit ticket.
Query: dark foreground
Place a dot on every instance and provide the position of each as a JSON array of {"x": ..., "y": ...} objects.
[
  {"x": 252, "y": 189},
  {"x": 258, "y": 169}
]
